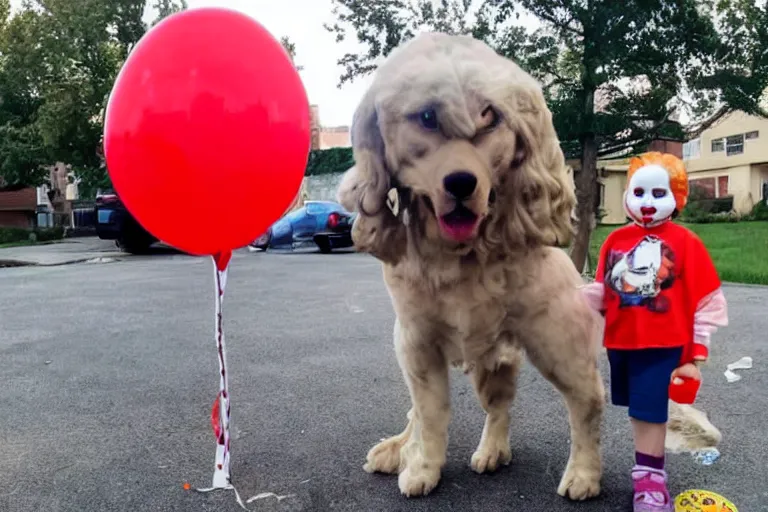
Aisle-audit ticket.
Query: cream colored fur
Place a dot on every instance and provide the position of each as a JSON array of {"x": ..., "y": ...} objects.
[{"x": 483, "y": 303}]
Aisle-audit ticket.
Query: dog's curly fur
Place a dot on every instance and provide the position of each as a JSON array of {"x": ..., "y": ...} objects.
[{"x": 483, "y": 300}]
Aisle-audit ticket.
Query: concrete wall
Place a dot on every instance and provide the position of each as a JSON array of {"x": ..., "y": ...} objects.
[
  {"x": 323, "y": 187},
  {"x": 614, "y": 183}
]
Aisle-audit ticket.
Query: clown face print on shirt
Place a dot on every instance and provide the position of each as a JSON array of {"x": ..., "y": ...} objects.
[
  {"x": 649, "y": 200},
  {"x": 639, "y": 275}
]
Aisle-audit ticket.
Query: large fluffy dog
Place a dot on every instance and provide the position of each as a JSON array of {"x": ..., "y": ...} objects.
[{"x": 463, "y": 194}]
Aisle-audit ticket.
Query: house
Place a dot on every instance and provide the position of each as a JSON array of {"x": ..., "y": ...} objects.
[
  {"x": 32, "y": 207},
  {"x": 612, "y": 178},
  {"x": 728, "y": 158}
]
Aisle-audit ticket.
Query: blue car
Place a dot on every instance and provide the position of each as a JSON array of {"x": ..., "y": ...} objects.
[{"x": 323, "y": 223}]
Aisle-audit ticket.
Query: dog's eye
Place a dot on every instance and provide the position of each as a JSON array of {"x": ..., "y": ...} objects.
[
  {"x": 493, "y": 116},
  {"x": 428, "y": 119}
]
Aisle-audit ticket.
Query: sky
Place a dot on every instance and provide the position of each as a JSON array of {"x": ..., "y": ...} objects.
[{"x": 316, "y": 50}]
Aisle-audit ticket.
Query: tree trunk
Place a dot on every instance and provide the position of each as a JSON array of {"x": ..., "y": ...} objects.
[{"x": 586, "y": 186}]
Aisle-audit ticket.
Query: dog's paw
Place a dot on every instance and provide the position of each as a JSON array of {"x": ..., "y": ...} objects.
[
  {"x": 490, "y": 455},
  {"x": 384, "y": 457},
  {"x": 418, "y": 480},
  {"x": 579, "y": 484}
]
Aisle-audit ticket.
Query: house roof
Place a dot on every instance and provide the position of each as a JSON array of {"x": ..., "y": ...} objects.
[{"x": 694, "y": 131}]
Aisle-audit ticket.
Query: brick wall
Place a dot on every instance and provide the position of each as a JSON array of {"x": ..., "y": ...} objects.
[
  {"x": 337, "y": 137},
  {"x": 314, "y": 126},
  {"x": 24, "y": 220},
  {"x": 18, "y": 200},
  {"x": 672, "y": 147}
]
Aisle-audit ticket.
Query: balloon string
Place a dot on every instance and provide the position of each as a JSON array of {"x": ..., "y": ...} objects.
[{"x": 221, "y": 476}]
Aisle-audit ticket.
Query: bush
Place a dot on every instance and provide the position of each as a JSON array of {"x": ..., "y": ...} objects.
[
  {"x": 15, "y": 235},
  {"x": 709, "y": 210},
  {"x": 760, "y": 211},
  {"x": 329, "y": 161}
]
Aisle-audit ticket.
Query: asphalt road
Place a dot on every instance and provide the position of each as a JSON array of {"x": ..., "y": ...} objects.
[{"x": 108, "y": 373}]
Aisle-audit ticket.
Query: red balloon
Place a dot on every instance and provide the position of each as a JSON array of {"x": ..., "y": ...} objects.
[{"x": 206, "y": 134}]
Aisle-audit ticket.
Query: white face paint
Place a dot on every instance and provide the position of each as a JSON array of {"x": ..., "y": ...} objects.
[{"x": 649, "y": 200}]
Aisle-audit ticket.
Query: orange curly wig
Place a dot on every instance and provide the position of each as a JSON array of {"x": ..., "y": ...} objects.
[{"x": 678, "y": 177}]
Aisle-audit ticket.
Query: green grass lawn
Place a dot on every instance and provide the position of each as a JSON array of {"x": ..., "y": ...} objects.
[{"x": 739, "y": 249}]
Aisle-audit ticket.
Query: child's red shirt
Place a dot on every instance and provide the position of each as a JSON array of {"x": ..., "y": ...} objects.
[{"x": 654, "y": 279}]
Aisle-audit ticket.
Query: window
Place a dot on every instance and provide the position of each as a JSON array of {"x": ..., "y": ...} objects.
[
  {"x": 703, "y": 188},
  {"x": 317, "y": 208},
  {"x": 734, "y": 145},
  {"x": 717, "y": 145},
  {"x": 709, "y": 188},
  {"x": 722, "y": 186},
  {"x": 752, "y": 135},
  {"x": 692, "y": 149}
]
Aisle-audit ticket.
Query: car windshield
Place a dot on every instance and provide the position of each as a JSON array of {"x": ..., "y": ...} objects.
[{"x": 318, "y": 208}]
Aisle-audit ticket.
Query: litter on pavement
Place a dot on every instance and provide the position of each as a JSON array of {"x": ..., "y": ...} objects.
[
  {"x": 695, "y": 500},
  {"x": 707, "y": 456},
  {"x": 745, "y": 363}
]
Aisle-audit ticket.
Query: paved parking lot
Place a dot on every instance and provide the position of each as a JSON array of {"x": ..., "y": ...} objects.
[{"x": 108, "y": 373}]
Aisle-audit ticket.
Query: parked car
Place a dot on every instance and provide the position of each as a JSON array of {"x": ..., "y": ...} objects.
[
  {"x": 325, "y": 223},
  {"x": 115, "y": 222}
]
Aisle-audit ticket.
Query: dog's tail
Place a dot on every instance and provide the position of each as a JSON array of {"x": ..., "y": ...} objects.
[{"x": 689, "y": 429}]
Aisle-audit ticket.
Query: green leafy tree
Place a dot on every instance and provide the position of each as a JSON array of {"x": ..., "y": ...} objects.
[
  {"x": 58, "y": 62},
  {"x": 290, "y": 47},
  {"x": 165, "y": 8},
  {"x": 21, "y": 146},
  {"x": 615, "y": 74}
]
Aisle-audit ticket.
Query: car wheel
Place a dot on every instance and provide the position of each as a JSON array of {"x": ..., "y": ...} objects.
[
  {"x": 323, "y": 244},
  {"x": 134, "y": 239},
  {"x": 263, "y": 241},
  {"x": 135, "y": 245}
]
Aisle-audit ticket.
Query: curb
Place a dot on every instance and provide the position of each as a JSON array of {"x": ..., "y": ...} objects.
[
  {"x": 6, "y": 263},
  {"x": 22, "y": 263},
  {"x": 744, "y": 285}
]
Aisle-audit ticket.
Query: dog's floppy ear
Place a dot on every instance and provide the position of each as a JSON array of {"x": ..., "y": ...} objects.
[
  {"x": 540, "y": 195},
  {"x": 364, "y": 188}
]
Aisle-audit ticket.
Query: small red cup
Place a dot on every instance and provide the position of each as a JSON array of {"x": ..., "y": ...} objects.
[{"x": 684, "y": 393}]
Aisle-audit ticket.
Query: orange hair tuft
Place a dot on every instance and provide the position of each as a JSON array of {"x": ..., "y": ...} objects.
[{"x": 678, "y": 177}]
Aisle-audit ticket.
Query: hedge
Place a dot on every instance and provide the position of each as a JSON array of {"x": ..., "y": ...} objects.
[
  {"x": 14, "y": 235},
  {"x": 329, "y": 161}
]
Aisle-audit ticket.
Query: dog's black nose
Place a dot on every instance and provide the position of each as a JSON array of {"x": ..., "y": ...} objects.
[{"x": 460, "y": 184}]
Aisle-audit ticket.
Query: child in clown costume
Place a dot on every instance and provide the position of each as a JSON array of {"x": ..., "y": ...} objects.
[{"x": 661, "y": 298}]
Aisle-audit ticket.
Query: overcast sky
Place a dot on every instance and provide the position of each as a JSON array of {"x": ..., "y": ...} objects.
[{"x": 316, "y": 50}]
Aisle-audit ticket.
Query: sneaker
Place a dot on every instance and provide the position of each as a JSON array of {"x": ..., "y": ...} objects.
[{"x": 651, "y": 494}]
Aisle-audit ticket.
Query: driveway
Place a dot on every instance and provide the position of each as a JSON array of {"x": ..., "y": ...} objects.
[{"x": 109, "y": 371}]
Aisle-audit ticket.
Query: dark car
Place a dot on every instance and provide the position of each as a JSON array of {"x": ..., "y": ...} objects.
[
  {"x": 323, "y": 223},
  {"x": 115, "y": 222}
]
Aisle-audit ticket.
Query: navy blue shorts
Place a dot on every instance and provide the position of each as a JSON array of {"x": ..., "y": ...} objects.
[{"x": 640, "y": 380}]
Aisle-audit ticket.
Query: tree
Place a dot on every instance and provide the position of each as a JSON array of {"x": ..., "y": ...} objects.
[
  {"x": 59, "y": 60},
  {"x": 165, "y": 8},
  {"x": 290, "y": 47},
  {"x": 615, "y": 73},
  {"x": 21, "y": 147}
]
